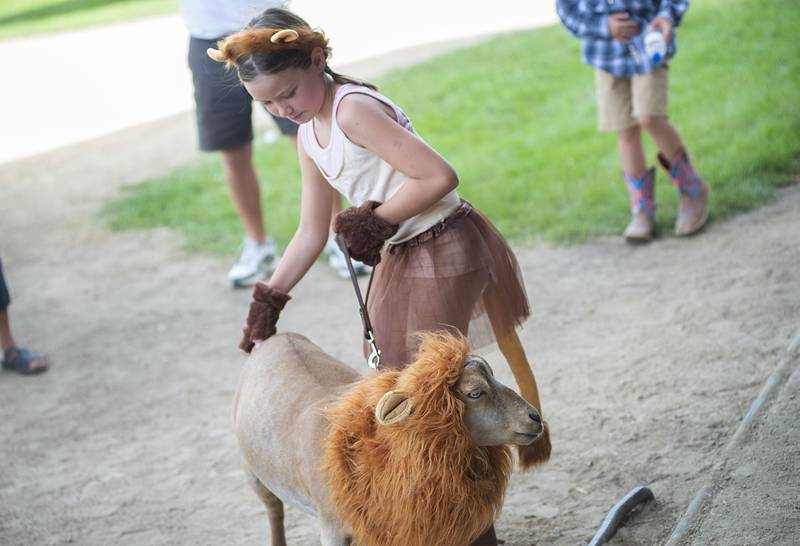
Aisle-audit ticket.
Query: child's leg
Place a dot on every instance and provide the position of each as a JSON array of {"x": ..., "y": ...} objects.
[
  {"x": 640, "y": 183},
  {"x": 6, "y": 339},
  {"x": 615, "y": 113},
  {"x": 631, "y": 151},
  {"x": 242, "y": 181},
  {"x": 650, "y": 109},
  {"x": 664, "y": 134}
]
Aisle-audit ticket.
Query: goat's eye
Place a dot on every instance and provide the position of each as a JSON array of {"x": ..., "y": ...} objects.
[{"x": 475, "y": 394}]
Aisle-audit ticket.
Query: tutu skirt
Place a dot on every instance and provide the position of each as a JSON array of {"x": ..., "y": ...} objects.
[{"x": 460, "y": 274}]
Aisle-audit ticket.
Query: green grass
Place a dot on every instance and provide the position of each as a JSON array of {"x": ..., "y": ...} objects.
[
  {"x": 25, "y": 17},
  {"x": 516, "y": 117}
]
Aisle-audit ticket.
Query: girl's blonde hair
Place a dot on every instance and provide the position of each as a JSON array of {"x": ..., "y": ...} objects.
[{"x": 273, "y": 41}]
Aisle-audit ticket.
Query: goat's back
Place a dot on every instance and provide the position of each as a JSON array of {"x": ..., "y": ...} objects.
[{"x": 279, "y": 419}]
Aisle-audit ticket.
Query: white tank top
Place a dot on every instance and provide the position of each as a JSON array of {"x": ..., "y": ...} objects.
[{"x": 361, "y": 176}]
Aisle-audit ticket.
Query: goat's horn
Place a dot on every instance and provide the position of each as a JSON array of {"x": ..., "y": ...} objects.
[
  {"x": 393, "y": 407},
  {"x": 216, "y": 54},
  {"x": 284, "y": 36}
]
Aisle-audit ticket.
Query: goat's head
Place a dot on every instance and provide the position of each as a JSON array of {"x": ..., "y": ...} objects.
[{"x": 493, "y": 414}]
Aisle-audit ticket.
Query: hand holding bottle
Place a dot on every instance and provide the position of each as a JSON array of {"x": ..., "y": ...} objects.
[{"x": 664, "y": 26}]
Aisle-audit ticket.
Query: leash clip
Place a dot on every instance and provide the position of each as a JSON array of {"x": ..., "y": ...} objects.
[{"x": 374, "y": 360}]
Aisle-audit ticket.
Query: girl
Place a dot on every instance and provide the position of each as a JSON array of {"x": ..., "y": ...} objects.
[{"x": 445, "y": 265}]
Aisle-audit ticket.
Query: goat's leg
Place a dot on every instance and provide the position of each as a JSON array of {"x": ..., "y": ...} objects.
[
  {"x": 274, "y": 507},
  {"x": 332, "y": 534},
  {"x": 511, "y": 347}
]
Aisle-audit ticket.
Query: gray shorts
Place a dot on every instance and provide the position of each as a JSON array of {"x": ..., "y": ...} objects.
[{"x": 223, "y": 106}]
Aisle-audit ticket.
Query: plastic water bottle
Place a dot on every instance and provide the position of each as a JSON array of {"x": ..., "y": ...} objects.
[{"x": 654, "y": 46}]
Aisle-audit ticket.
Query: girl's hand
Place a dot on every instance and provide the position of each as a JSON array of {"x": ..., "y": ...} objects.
[
  {"x": 622, "y": 28},
  {"x": 664, "y": 25},
  {"x": 263, "y": 315},
  {"x": 364, "y": 232}
]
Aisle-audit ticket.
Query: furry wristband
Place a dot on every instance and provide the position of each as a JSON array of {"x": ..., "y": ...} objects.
[{"x": 364, "y": 231}]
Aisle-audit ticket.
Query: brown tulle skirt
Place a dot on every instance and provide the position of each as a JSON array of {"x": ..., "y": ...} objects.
[{"x": 459, "y": 274}]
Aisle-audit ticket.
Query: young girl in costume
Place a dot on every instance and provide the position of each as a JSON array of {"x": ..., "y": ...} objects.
[{"x": 443, "y": 264}]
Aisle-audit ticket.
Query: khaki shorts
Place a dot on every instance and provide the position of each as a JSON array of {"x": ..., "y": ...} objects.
[{"x": 621, "y": 101}]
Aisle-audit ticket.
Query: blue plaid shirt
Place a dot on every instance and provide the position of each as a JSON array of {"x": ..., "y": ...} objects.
[{"x": 588, "y": 20}]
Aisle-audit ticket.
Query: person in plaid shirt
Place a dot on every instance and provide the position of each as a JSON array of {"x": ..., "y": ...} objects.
[{"x": 631, "y": 95}]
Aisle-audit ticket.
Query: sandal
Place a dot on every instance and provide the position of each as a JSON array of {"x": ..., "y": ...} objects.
[{"x": 24, "y": 361}]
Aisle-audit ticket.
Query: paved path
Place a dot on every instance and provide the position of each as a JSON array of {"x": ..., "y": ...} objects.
[{"x": 68, "y": 87}]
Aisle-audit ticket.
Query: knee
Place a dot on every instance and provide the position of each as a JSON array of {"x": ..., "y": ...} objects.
[
  {"x": 630, "y": 135},
  {"x": 650, "y": 122},
  {"x": 236, "y": 159}
]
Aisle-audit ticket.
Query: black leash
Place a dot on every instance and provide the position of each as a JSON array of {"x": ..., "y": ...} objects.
[{"x": 374, "y": 360}]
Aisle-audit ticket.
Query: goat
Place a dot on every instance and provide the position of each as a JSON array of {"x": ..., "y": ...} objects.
[{"x": 400, "y": 458}]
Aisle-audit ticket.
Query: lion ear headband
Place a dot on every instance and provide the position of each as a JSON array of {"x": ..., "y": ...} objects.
[{"x": 283, "y": 36}]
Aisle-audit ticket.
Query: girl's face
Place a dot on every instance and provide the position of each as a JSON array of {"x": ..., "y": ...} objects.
[{"x": 294, "y": 93}]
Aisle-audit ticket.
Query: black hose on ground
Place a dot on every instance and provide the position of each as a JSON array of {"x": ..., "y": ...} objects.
[{"x": 637, "y": 496}]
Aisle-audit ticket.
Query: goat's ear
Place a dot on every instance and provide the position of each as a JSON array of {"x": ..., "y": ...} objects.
[{"x": 393, "y": 407}]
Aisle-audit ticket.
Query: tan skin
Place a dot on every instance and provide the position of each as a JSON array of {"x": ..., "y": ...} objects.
[{"x": 306, "y": 94}]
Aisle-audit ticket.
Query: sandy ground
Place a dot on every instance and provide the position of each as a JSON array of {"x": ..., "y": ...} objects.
[{"x": 648, "y": 358}]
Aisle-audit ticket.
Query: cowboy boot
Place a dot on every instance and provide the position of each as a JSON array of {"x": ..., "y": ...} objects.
[
  {"x": 693, "y": 209},
  {"x": 643, "y": 207}
]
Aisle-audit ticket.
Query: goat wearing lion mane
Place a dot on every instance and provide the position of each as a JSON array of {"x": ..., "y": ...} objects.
[{"x": 416, "y": 457}]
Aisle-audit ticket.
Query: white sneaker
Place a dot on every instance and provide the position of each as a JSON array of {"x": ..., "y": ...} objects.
[
  {"x": 257, "y": 262},
  {"x": 338, "y": 262}
]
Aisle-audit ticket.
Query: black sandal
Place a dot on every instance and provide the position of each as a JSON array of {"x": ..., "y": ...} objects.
[{"x": 24, "y": 361}]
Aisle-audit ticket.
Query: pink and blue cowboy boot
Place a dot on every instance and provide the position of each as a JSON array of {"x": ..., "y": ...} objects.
[
  {"x": 693, "y": 210},
  {"x": 643, "y": 207}
]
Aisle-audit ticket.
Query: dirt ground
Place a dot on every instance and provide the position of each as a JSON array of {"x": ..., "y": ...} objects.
[{"x": 648, "y": 357}]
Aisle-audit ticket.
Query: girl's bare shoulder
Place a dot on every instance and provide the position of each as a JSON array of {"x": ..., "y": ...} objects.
[{"x": 359, "y": 111}]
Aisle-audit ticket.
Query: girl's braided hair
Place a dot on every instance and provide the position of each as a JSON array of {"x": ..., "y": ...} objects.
[{"x": 273, "y": 41}]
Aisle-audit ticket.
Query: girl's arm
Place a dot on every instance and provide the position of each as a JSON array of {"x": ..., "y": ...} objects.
[
  {"x": 309, "y": 239},
  {"x": 367, "y": 122}
]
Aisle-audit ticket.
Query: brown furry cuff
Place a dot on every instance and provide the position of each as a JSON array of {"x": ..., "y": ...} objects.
[
  {"x": 263, "y": 314},
  {"x": 364, "y": 231}
]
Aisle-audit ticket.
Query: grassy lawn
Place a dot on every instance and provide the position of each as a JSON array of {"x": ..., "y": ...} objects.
[
  {"x": 516, "y": 117},
  {"x": 25, "y": 17}
]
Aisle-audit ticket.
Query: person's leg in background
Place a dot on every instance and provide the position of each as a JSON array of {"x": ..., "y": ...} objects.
[
  {"x": 650, "y": 99},
  {"x": 615, "y": 113},
  {"x": 223, "y": 112},
  {"x": 15, "y": 358}
]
